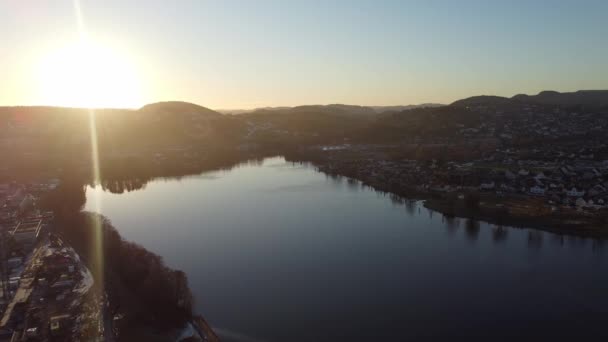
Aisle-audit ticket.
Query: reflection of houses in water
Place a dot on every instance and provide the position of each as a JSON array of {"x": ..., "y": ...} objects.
[{"x": 597, "y": 245}]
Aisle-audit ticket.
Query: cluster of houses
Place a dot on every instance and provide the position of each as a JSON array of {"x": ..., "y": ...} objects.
[
  {"x": 583, "y": 184},
  {"x": 580, "y": 186},
  {"x": 534, "y": 120},
  {"x": 554, "y": 153},
  {"x": 17, "y": 199},
  {"x": 45, "y": 295},
  {"x": 42, "y": 280},
  {"x": 556, "y": 124}
]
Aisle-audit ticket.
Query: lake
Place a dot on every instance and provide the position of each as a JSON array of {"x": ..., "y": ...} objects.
[{"x": 276, "y": 251}]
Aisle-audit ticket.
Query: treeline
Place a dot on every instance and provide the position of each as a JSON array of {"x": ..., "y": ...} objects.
[
  {"x": 137, "y": 281},
  {"x": 124, "y": 174}
]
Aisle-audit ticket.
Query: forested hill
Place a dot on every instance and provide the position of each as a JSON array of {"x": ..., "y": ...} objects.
[
  {"x": 177, "y": 107},
  {"x": 32, "y": 137},
  {"x": 586, "y": 98}
]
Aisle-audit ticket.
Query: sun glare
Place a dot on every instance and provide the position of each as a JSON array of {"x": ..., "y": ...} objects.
[{"x": 88, "y": 75}]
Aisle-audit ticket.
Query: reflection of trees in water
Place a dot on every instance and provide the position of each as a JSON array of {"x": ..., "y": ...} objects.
[
  {"x": 410, "y": 207},
  {"x": 597, "y": 245},
  {"x": 121, "y": 186},
  {"x": 451, "y": 223},
  {"x": 129, "y": 174},
  {"x": 499, "y": 234},
  {"x": 575, "y": 241},
  {"x": 255, "y": 162},
  {"x": 353, "y": 184},
  {"x": 397, "y": 200},
  {"x": 334, "y": 178},
  {"x": 559, "y": 239},
  {"x": 535, "y": 239},
  {"x": 472, "y": 229}
]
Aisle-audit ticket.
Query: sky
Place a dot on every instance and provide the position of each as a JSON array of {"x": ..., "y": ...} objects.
[{"x": 245, "y": 54}]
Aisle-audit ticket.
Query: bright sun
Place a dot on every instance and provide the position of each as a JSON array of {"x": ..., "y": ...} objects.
[{"x": 88, "y": 75}]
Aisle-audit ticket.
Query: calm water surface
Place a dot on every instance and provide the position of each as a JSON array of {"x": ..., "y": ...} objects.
[{"x": 280, "y": 252}]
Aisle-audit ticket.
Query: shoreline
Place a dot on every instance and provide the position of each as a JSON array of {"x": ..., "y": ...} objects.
[
  {"x": 548, "y": 224},
  {"x": 203, "y": 329},
  {"x": 568, "y": 223},
  {"x": 558, "y": 223}
]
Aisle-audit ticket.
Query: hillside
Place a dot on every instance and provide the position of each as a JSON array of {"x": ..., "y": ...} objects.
[
  {"x": 39, "y": 132},
  {"x": 342, "y": 109},
  {"x": 482, "y": 100},
  {"x": 34, "y": 134},
  {"x": 591, "y": 98},
  {"x": 384, "y": 109},
  {"x": 177, "y": 107},
  {"x": 587, "y": 98}
]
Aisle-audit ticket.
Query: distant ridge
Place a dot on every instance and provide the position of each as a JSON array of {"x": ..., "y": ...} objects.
[
  {"x": 333, "y": 108},
  {"x": 482, "y": 100},
  {"x": 593, "y": 98},
  {"x": 590, "y": 98},
  {"x": 178, "y": 107},
  {"x": 382, "y": 109}
]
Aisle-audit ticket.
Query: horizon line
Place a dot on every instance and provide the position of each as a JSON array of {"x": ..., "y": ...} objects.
[{"x": 288, "y": 106}]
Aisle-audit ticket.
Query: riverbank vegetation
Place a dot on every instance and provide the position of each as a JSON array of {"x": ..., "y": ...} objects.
[{"x": 149, "y": 297}]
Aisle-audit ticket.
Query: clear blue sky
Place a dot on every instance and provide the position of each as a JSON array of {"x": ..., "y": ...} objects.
[{"x": 241, "y": 54}]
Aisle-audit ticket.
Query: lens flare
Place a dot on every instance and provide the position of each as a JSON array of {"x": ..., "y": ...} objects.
[{"x": 97, "y": 254}]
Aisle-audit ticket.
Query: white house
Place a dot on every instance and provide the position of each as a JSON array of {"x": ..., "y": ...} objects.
[
  {"x": 510, "y": 175},
  {"x": 580, "y": 203},
  {"x": 487, "y": 186},
  {"x": 597, "y": 189},
  {"x": 575, "y": 193},
  {"x": 441, "y": 188},
  {"x": 537, "y": 190}
]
